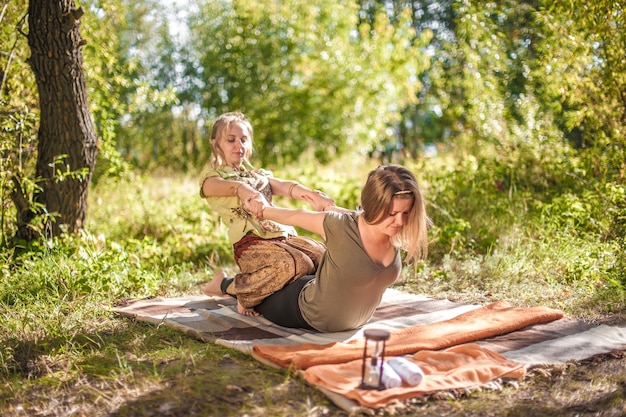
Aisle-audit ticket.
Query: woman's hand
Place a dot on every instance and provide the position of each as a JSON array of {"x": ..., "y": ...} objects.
[
  {"x": 318, "y": 200},
  {"x": 254, "y": 204}
]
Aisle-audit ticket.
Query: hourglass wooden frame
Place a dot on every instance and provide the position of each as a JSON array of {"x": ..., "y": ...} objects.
[{"x": 376, "y": 359}]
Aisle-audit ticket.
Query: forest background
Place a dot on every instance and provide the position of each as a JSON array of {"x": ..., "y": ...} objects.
[{"x": 512, "y": 113}]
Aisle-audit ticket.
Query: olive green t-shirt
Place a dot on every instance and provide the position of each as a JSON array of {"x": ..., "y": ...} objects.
[{"x": 348, "y": 285}]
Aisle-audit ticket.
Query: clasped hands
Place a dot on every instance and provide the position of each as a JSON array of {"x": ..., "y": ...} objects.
[{"x": 254, "y": 204}]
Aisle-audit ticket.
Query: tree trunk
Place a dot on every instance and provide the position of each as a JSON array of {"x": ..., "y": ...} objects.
[{"x": 67, "y": 145}]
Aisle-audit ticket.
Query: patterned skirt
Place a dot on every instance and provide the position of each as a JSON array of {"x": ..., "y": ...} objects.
[{"x": 267, "y": 265}]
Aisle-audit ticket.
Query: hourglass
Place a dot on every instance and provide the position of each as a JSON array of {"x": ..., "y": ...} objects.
[{"x": 373, "y": 358}]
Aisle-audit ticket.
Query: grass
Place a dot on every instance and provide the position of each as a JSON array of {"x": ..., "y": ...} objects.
[
  {"x": 564, "y": 273},
  {"x": 62, "y": 352}
]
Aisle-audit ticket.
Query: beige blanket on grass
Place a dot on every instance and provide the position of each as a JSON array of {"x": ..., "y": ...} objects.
[{"x": 458, "y": 346}]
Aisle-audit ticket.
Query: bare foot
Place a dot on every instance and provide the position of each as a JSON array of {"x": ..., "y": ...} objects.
[
  {"x": 246, "y": 311},
  {"x": 213, "y": 287}
]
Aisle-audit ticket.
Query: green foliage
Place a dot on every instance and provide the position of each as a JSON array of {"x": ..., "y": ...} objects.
[
  {"x": 168, "y": 216},
  {"x": 135, "y": 97},
  {"x": 538, "y": 188},
  {"x": 18, "y": 110},
  {"x": 583, "y": 73},
  {"x": 580, "y": 76},
  {"x": 113, "y": 76},
  {"x": 145, "y": 238},
  {"x": 310, "y": 79}
]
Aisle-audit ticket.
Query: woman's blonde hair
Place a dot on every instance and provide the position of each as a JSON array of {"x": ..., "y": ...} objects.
[
  {"x": 383, "y": 185},
  {"x": 220, "y": 130}
]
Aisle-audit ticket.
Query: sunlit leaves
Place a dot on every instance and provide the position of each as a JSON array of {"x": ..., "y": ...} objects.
[
  {"x": 18, "y": 108},
  {"x": 306, "y": 78},
  {"x": 581, "y": 68},
  {"x": 130, "y": 60}
]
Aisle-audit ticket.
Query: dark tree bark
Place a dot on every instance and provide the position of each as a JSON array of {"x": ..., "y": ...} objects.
[{"x": 67, "y": 142}]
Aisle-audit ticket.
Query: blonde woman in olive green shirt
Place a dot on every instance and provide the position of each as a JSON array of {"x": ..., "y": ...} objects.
[{"x": 362, "y": 255}]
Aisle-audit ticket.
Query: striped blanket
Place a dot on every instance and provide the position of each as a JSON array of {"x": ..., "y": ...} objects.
[{"x": 491, "y": 338}]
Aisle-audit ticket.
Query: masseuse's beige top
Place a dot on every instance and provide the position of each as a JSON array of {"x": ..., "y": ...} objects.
[
  {"x": 348, "y": 285},
  {"x": 231, "y": 212}
]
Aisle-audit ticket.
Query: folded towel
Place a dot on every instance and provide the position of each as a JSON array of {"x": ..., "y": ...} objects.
[
  {"x": 487, "y": 321},
  {"x": 461, "y": 366}
]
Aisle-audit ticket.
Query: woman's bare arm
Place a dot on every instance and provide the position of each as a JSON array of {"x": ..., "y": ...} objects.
[
  {"x": 218, "y": 187},
  {"x": 293, "y": 189},
  {"x": 313, "y": 221}
]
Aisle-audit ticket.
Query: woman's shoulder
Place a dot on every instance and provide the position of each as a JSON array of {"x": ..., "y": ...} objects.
[
  {"x": 341, "y": 218},
  {"x": 341, "y": 228}
]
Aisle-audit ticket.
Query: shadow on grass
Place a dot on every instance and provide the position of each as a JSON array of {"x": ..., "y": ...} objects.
[
  {"x": 147, "y": 370},
  {"x": 200, "y": 379}
]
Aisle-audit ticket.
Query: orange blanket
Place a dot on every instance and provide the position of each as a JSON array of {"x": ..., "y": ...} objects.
[
  {"x": 491, "y": 320},
  {"x": 457, "y": 367}
]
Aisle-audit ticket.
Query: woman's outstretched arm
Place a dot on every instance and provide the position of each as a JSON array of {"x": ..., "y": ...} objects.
[
  {"x": 313, "y": 221},
  {"x": 293, "y": 189}
]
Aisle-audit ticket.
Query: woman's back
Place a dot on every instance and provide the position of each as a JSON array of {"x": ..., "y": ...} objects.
[{"x": 349, "y": 284}]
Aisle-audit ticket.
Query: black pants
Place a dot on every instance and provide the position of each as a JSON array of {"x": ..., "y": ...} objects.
[{"x": 282, "y": 306}]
